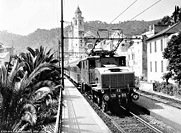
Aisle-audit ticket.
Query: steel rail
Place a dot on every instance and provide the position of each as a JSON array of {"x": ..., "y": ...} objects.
[
  {"x": 143, "y": 121},
  {"x": 115, "y": 124}
]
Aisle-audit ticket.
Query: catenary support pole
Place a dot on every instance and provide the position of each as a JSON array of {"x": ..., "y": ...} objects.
[{"x": 62, "y": 43}]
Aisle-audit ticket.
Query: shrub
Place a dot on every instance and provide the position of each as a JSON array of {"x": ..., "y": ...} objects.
[{"x": 164, "y": 87}]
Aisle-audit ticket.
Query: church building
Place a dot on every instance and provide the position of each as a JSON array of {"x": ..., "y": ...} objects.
[{"x": 76, "y": 45}]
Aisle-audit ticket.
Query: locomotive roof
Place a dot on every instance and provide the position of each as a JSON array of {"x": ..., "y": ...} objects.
[
  {"x": 114, "y": 70},
  {"x": 74, "y": 63},
  {"x": 90, "y": 57},
  {"x": 97, "y": 57}
]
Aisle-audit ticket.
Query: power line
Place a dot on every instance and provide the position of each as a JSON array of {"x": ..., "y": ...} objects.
[
  {"x": 123, "y": 11},
  {"x": 95, "y": 28},
  {"x": 145, "y": 10}
]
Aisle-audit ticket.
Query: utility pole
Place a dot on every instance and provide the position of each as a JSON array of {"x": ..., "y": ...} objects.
[{"x": 62, "y": 44}]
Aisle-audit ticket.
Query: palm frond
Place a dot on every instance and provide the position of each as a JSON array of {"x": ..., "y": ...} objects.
[
  {"x": 48, "y": 53},
  {"x": 42, "y": 67},
  {"x": 30, "y": 113},
  {"x": 54, "y": 61},
  {"x": 17, "y": 67},
  {"x": 3, "y": 73},
  {"x": 33, "y": 53}
]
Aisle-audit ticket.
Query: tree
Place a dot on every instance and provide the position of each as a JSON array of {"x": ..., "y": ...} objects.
[
  {"x": 166, "y": 20},
  {"x": 173, "y": 53},
  {"x": 176, "y": 15},
  {"x": 167, "y": 76},
  {"x": 174, "y": 18},
  {"x": 28, "y": 100},
  {"x": 33, "y": 58}
]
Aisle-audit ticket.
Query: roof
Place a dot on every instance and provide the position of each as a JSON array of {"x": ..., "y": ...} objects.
[
  {"x": 74, "y": 63},
  {"x": 78, "y": 10},
  {"x": 170, "y": 30},
  {"x": 107, "y": 70},
  {"x": 90, "y": 34}
]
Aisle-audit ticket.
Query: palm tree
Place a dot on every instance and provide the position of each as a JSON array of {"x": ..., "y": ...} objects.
[
  {"x": 25, "y": 104},
  {"x": 34, "y": 58}
]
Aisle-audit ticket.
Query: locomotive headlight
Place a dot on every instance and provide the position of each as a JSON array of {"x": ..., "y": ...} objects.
[
  {"x": 106, "y": 97},
  {"x": 135, "y": 96}
]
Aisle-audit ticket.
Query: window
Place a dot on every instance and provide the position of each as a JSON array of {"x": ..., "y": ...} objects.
[
  {"x": 155, "y": 66},
  {"x": 133, "y": 56},
  {"x": 81, "y": 42},
  {"x": 83, "y": 64},
  {"x": 92, "y": 64},
  {"x": 150, "y": 66},
  {"x": 161, "y": 42},
  {"x": 155, "y": 47},
  {"x": 161, "y": 66},
  {"x": 150, "y": 47},
  {"x": 75, "y": 22},
  {"x": 80, "y": 22}
]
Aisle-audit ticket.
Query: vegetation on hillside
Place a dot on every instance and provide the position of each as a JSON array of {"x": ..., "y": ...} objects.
[
  {"x": 128, "y": 27},
  {"x": 49, "y": 38}
]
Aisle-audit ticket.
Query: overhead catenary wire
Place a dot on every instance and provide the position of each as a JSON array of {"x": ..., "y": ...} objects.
[
  {"x": 95, "y": 28},
  {"x": 145, "y": 9},
  {"x": 123, "y": 12}
]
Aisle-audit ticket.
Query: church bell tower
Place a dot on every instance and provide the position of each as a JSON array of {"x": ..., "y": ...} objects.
[{"x": 78, "y": 33}]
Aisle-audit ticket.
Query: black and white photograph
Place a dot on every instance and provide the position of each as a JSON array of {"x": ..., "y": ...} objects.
[{"x": 90, "y": 66}]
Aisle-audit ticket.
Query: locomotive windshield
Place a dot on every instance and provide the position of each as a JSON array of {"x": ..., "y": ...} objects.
[
  {"x": 92, "y": 64},
  {"x": 115, "y": 70},
  {"x": 118, "y": 61}
]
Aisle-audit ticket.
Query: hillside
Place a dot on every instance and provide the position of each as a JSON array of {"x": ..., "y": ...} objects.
[
  {"x": 128, "y": 27},
  {"x": 49, "y": 38}
]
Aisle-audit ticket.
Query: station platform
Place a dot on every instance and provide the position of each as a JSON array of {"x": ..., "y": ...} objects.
[
  {"x": 170, "y": 115},
  {"x": 77, "y": 115}
]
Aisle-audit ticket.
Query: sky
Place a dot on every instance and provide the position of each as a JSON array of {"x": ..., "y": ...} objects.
[{"x": 25, "y": 16}]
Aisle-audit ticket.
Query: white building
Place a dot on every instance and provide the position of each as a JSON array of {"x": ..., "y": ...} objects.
[
  {"x": 137, "y": 57},
  {"x": 76, "y": 47},
  {"x": 5, "y": 53},
  {"x": 157, "y": 65},
  {"x": 137, "y": 51}
]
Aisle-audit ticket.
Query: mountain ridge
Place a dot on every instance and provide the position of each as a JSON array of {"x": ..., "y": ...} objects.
[{"x": 49, "y": 38}]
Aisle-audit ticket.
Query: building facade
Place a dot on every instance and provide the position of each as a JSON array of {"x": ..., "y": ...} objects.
[
  {"x": 137, "y": 57},
  {"x": 137, "y": 52},
  {"x": 157, "y": 65},
  {"x": 5, "y": 53},
  {"x": 76, "y": 46}
]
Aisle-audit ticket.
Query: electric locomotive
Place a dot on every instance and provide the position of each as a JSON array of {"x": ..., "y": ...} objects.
[
  {"x": 107, "y": 80},
  {"x": 105, "y": 76}
]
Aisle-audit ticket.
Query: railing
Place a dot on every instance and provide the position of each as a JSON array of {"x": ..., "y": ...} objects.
[{"x": 58, "y": 124}]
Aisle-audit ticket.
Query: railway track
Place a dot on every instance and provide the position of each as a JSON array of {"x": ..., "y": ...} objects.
[
  {"x": 132, "y": 123},
  {"x": 126, "y": 123}
]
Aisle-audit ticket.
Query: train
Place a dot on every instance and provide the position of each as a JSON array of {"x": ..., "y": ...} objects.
[{"x": 106, "y": 79}]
